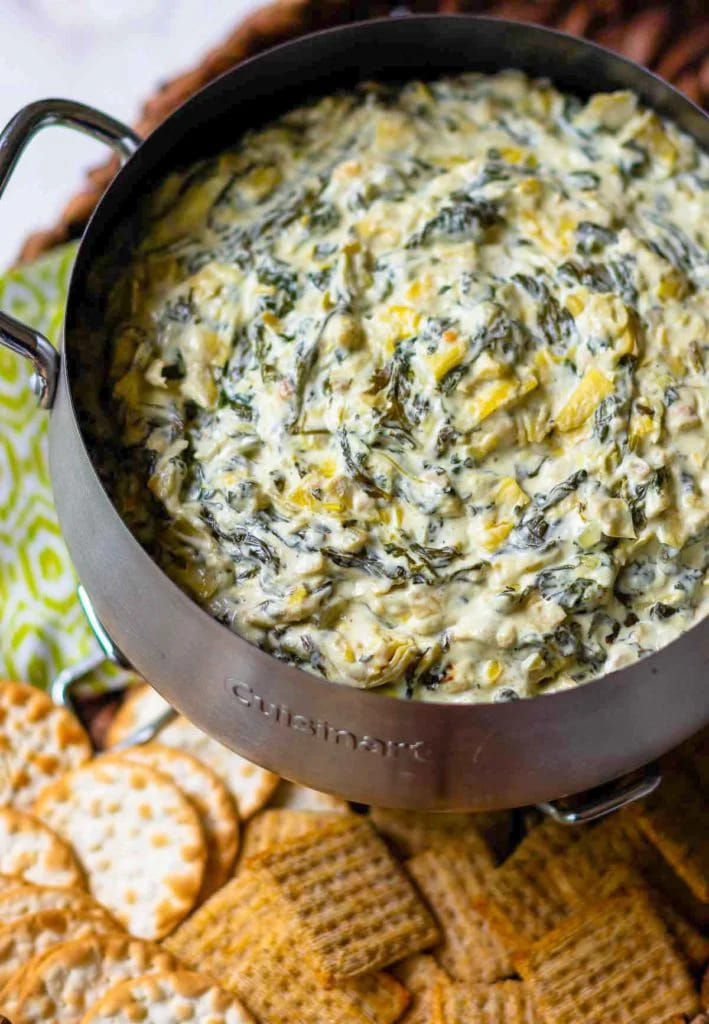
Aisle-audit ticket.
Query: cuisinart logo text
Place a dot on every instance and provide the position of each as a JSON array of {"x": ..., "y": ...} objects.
[{"x": 319, "y": 728}]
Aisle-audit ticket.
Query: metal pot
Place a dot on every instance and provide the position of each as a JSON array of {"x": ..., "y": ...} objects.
[{"x": 364, "y": 746}]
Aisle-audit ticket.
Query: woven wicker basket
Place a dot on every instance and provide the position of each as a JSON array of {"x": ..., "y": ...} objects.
[{"x": 671, "y": 38}]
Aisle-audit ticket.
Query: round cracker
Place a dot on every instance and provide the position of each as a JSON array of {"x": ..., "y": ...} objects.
[
  {"x": 38, "y": 741},
  {"x": 211, "y": 799},
  {"x": 166, "y": 998},
  {"x": 63, "y": 985},
  {"x": 28, "y": 936},
  {"x": 138, "y": 838},
  {"x": 18, "y": 900},
  {"x": 250, "y": 785},
  {"x": 141, "y": 705},
  {"x": 292, "y": 797},
  {"x": 35, "y": 853}
]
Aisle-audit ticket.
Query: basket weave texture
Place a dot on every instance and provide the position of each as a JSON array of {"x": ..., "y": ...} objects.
[{"x": 671, "y": 38}]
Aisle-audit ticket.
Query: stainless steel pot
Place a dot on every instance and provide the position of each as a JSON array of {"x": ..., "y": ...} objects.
[{"x": 367, "y": 747}]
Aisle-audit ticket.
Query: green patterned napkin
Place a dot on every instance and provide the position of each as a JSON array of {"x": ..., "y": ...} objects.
[{"x": 42, "y": 627}]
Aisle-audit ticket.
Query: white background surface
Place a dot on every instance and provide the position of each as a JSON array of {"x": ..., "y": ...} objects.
[{"x": 109, "y": 53}]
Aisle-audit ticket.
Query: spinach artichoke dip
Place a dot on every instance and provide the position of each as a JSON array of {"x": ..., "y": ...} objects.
[{"x": 411, "y": 386}]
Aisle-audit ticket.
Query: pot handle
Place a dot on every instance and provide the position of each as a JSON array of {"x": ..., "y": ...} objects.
[
  {"x": 18, "y": 132},
  {"x": 605, "y": 799}
]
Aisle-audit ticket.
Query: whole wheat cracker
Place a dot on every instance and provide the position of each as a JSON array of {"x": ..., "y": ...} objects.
[
  {"x": 618, "y": 878},
  {"x": 522, "y": 901},
  {"x": 293, "y": 797},
  {"x": 212, "y": 800},
  {"x": 166, "y": 998},
  {"x": 614, "y": 961},
  {"x": 426, "y": 982},
  {"x": 38, "y": 741},
  {"x": 277, "y": 825},
  {"x": 138, "y": 837},
  {"x": 616, "y": 840},
  {"x": 250, "y": 785},
  {"x": 64, "y": 984},
  {"x": 21, "y": 899},
  {"x": 505, "y": 1002},
  {"x": 674, "y": 818},
  {"x": 411, "y": 832},
  {"x": 32, "y": 934},
  {"x": 451, "y": 880},
  {"x": 32, "y": 851},
  {"x": 247, "y": 936},
  {"x": 358, "y": 910}
]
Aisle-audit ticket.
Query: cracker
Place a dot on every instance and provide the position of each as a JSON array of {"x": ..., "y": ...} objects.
[
  {"x": 18, "y": 900},
  {"x": 411, "y": 832},
  {"x": 426, "y": 982},
  {"x": 505, "y": 1002},
  {"x": 275, "y": 826},
  {"x": 614, "y": 962},
  {"x": 141, "y": 705},
  {"x": 621, "y": 878},
  {"x": 212, "y": 800},
  {"x": 28, "y": 936},
  {"x": 138, "y": 837},
  {"x": 247, "y": 936},
  {"x": 35, "y": 853},
  {"x": 674, "y": 818},
  {"x": 693, "y": 945},
  {"x": 70, "y": 979},
  {"x": 616, "y": 840},
  {"x": 38, "y": 741},
  {"x": 358, "y": 910},
  {"x": 294, "y": 797},
  {"x": 167, "y": 998},
  {"x": 451, "y": 881},
  {"x": 250, "y": 785},
  {"x": 523, "y": 901}
]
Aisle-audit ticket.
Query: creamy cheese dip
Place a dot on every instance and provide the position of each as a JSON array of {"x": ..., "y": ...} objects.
[{"x": 411, "y": 386}]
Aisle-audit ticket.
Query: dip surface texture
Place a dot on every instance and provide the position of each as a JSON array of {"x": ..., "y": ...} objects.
[{"x": 411, "y": 386}]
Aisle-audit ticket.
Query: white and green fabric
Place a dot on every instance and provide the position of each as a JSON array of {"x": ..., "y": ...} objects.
[{"x": 42, "y": 627}]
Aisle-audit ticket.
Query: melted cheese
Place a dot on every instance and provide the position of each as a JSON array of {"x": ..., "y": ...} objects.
[{"x": 411, "y": 386}]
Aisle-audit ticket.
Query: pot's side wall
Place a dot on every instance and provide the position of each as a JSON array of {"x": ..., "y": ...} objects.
[{"x": 366, "y": 747}]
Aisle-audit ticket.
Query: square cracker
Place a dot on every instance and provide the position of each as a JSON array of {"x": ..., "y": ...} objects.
[
  {"x": 277, "y": 825},
  {"x": 452, "y": 881},
  {"x": 247, "y": 936},
  {"x": 506, "y": 1002},
  {"x": 523, "y": 901},
  {"x": 412, "y": 832},
  {"x": 675, "y": 819},
  {"x": 613, "y": 963},
  {"x": 426, "y": 982},
  {"x": 619, "y": 878},
  {"x": 616, "y": 840},
  {"x": 357, "y": 908}
]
